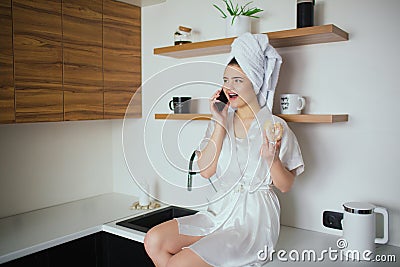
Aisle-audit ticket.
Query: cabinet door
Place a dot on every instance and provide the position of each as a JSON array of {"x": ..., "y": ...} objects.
[
  {"x": 7, "y": 109},
  {"x": 78, "y": 252},
  {"x": 38, "y": 259},
  {"x": 122, "y": 59},
  {"x": 83, "y": 59},
  {"x": 121, "y": 252},
  {"x": 38, "y": 60},
  {"x": 85, "y": 251}
]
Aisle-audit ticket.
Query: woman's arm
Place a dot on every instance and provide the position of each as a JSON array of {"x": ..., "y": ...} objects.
[
  {"x": 208, "y": 157},
  {"x": 282, "y": 178}
]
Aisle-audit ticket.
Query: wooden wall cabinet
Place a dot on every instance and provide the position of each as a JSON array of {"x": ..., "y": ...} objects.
[
  {"x": 68, "y": 60},
  {"x": 122, "y": 59},
  {"x": 7, "y": 106},
  {"x": 83, "y": 59},
  {"x": 38, "y": 60}
]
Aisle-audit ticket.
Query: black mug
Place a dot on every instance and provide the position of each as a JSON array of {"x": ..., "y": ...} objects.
[
  {"x": 305, "y": 13},
  {"x": 180, "y": 104}
]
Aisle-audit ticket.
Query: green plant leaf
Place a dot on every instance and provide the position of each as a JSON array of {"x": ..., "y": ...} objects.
[
  {"x": 233, "y": 19},
  {"x": 237, "y": 10},
  {"x": 224, "y": 16},
  {"x": 242, "y": 9},
  {"x": 229, "y": 8},
  {"x": 252, "y": 11}
]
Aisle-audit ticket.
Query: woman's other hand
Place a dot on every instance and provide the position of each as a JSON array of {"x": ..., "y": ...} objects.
[
  {"x": 281, "y": 177},
  {"x": 270, "y": 150}
]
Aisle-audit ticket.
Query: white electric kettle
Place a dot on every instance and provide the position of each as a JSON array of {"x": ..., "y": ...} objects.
[
  {"x": 358, "y": 224},
  {"x": 359, "y": 227}
]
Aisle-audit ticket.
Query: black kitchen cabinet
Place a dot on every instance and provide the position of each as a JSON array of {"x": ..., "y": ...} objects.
[
  {"x": 97, "y": 250},
  {"x": 79, "y": 252},
  {"x": 119, "y": 251},
  {"x": 83, "y": 251},
  {"x": 38, "y": 259}
]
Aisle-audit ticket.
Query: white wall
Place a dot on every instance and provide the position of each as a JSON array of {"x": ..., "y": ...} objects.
[
  {"x": 45, "y": 164},
  {"x": 352, "y": 161}
]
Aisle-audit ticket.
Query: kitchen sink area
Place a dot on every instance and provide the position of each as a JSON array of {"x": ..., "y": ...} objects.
[
  {"x": 111, "y": 224},
  {"x": 144, "y": 222}
]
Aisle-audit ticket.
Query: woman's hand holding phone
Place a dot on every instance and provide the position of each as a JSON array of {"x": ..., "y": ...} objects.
[
  {"x": 223, "y": 100},
  {"x": 219, "y": 107}
]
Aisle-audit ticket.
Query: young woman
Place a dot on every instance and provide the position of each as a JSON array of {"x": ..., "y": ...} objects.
[{"x": 244, "y": 219}]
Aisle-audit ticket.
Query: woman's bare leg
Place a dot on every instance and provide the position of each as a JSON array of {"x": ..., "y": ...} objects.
[
  {"x": 164, "y": 241},
  {"x": 186, "y": 258}
]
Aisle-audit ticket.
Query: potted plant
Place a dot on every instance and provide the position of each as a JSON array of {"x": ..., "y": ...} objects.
[{"x": 239, "y": 17}]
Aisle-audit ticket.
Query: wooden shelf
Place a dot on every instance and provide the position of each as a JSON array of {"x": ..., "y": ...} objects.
[
  {"x": 315, "y": 118},
  {"x": 302, "y": 118},
  {"x": 190, "y": 116},
  {"x": 295, "y": 37}
]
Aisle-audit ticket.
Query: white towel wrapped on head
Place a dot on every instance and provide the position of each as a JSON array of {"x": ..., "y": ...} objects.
[{"x": 260, "y": 62}]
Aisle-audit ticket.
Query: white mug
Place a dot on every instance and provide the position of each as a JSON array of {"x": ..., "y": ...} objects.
[{"x": 292, "y": 103}]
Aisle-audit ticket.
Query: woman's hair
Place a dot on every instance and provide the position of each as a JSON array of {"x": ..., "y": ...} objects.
[{"x": 233, "y": 62}]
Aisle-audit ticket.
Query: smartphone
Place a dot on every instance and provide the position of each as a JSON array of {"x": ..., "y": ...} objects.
[{"x": 224, "y": 100}]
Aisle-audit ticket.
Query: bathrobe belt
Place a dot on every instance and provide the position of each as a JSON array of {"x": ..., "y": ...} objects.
[{"x": 243, "y": 187}]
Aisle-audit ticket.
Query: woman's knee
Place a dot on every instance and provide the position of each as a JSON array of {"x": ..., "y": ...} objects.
[
  {"x": 152, "y": 241},
  {"x": 158, "y": 237}
]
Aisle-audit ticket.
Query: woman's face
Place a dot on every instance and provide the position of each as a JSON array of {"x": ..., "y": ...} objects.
[{"x": 237, "y": 87}]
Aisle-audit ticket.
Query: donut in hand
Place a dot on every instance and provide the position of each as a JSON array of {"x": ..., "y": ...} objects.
[{"x": 274, "y": 131}]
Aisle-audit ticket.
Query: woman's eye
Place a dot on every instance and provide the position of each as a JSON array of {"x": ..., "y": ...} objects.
[
  {"x": 225, "y": 80},
  {"x": 238, "y": 81}
]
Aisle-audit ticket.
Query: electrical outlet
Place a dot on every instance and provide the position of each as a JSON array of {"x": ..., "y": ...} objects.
[{"x": 332, "y": 219}]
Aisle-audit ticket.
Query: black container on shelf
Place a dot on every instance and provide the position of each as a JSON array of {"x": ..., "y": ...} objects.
[{"x": 305, "y": 13}]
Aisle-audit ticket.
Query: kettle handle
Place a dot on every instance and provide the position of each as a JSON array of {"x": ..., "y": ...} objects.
[{"x": 385, "y": 238}]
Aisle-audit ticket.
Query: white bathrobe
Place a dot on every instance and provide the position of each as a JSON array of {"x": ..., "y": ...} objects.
[{"x": 243, "y": 217}]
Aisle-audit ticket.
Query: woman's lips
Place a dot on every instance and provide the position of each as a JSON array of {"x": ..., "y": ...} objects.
[{"x": 232, "y": 96}]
